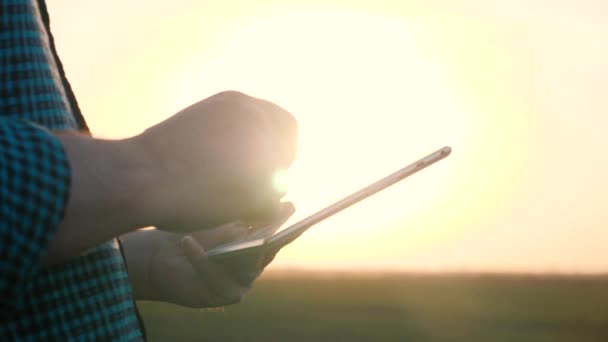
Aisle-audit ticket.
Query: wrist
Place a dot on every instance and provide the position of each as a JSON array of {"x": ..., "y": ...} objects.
[
  {"x": 137, "y": 188},
  {"x": 108, "y": 180},
  {"x": 124, "y": 174}
]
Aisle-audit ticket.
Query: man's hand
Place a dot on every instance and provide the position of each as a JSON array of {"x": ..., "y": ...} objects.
[
  {"x": 174, "y": 268},
  {"x": 209, "y": 164},
  {"x": 217, "y": 160}
]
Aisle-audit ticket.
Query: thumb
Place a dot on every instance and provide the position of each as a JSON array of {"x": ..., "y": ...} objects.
[
  {"x": 197, "y": 256},
  {"x": 215, "y": 279},
  {"x": 194, "y": 252}
]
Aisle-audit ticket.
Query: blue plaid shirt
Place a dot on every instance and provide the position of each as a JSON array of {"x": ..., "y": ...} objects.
[{"x": 86, "y": 298}]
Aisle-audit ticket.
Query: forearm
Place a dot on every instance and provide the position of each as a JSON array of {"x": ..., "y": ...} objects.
[
  {"x": 209, "y": 164},
  {"x": 109, "y": 184}
]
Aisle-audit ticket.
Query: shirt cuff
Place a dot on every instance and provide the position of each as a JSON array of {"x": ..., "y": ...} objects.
[{"x": 34, "y": 188}]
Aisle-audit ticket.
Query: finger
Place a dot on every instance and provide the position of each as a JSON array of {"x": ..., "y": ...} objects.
[
  {"x": 287, "y": 209},
  {"x": 285, "y": 125},
  {"x": 280, "y": 213},
  {"x": 215, "y": 281},
  {"x": 266, "y": 229},
  {"x": 279, "y": 124},
  {"x": 263, "y": 208},
  {"x": 269, "y": 257},
  {"x": 196, "y": 255},
  {"x": 244, "y": 270},
  {"x": 230, "y": 232}
]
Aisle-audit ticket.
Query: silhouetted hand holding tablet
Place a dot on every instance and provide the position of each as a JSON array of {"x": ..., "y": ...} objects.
[
  {"x": 180, "y": 272},
  {"x": 209, "y": 168}
]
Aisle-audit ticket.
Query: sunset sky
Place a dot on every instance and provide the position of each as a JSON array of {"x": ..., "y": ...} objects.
[{"x": 518, "y": 89}]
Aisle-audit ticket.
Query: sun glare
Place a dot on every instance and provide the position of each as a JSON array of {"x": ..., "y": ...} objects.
[
  {"x": 280, "y": 181},
  {"x": 368, "y": 101}
]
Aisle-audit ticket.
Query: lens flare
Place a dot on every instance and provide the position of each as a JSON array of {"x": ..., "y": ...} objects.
[{"x": 280, "y": 181}]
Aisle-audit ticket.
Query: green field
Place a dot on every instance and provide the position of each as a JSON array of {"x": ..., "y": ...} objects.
[{"x": 306, "y": 306}]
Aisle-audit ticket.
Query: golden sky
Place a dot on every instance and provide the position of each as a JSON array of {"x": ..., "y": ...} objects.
[{"x": 517, "y": 88}]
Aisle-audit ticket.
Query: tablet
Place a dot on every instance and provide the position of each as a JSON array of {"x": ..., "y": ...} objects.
[{"x": 278, "y": 240}]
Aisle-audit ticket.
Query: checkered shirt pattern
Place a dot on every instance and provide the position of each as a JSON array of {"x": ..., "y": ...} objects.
[{"x": 88, "y": 297}]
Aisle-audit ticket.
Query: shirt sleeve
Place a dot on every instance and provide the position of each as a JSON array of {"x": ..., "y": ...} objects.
[{"x": 34, "y": 188}]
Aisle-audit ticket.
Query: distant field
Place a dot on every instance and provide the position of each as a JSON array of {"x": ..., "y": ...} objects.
[{"x": 306, "y": 306}]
